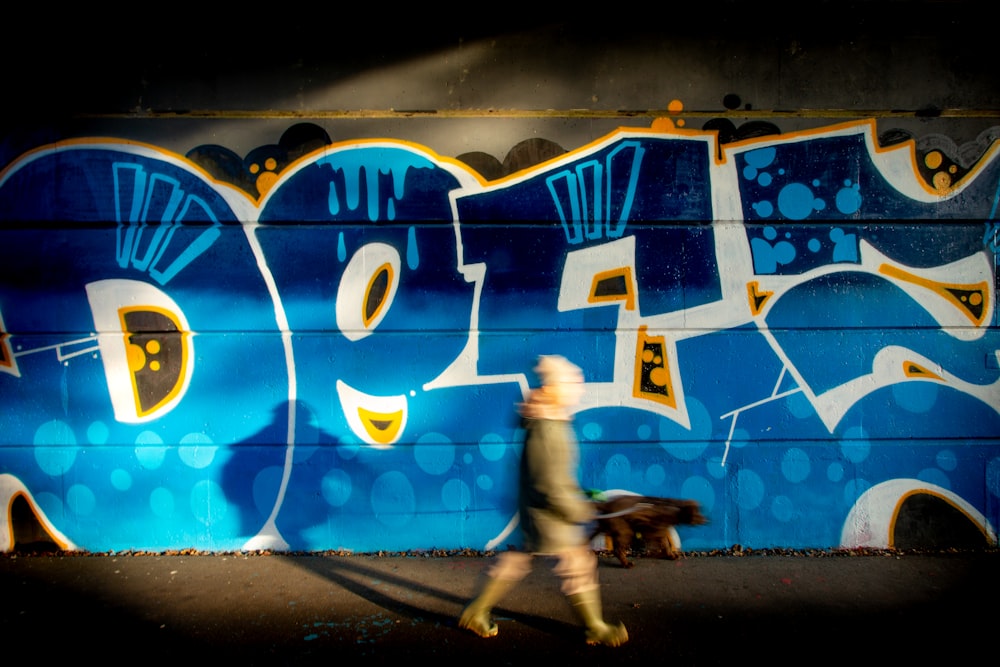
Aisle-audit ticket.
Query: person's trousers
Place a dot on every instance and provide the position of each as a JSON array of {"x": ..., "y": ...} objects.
[{"x": 576, "y": 567}]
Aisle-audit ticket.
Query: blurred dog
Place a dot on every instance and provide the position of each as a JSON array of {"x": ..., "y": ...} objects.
[{"x": 650, "y": 518}]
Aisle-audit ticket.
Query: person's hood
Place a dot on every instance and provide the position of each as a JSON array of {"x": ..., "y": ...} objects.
[{"x": 542, "y": 404}]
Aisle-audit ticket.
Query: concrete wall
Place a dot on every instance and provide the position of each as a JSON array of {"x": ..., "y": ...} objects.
[{"x": 282, "y": 288}]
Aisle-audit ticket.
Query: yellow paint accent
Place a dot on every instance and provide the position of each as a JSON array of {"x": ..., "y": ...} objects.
[
  {"x": 133, "y": 353},
  {"x": 914, "y": 370},
  {"x": 757, "y": 298},
  {"x": 387, "y": 268},
  {"x": 382, "y": 427},
  {"x": 640, "y": 355},
  {"x": 943, "y": 289},
  {"x": 629, "y": 296}
]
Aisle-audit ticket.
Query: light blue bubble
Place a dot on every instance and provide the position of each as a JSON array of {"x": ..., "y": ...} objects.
[
  {"x": 695, "y": 440},
  {"x": 80, "y": 500},
  {"x": 835, "y": 472},
  {"x": 484, "y": 482},
  {"x": 784, "y": 252},
  {"x": 50, "y": 504},
  {"x": 97, "y": 433},
  {"x": 392, "y": 499},
  {"x": 455, "y": 495},
  {"x": 655, "y": 475},
  {"x": 993, "y": 477},
  {"x": 208, "y": 502},
  {"x": 783, "y": 509},
  {"x": 161, "y": 502},
  {"x": 740, "y": 438},
  {"x": 761, "y": 157},
  {"x": 618, "y": 472},
  {"x": 853, "y": 490},
  {"x": 796, "y": 201},
  {"x": 934, "y": 476},
  {"x": 946, "y": 459},
  {"x": 644, "y": 431},
  {"x": 121, "y": 479},
  {"x": 492, "y": 447},
  {"x": 795, "y": 465},
  {"x": 916, "y": 396},
  {"x": 770, "y": 233},
  {"x": 349, "y": 446},
  {"x": 592, "y": 431},
  {"x": 336, "y": 487},
  {"x": 265, "y": 488},
  {"x": 749, "y": 489},
  {"x": 434, "y": 453},
  {"x": 466, "y": 458},
  {"x": 848, "y": 200},
  {"x": 149, "y": 451},
  {"x": 764, "y": 208},
  {"x": 799, "y": 406},
  {"x": 855, "y": 445},
  {"x": 845, "y": 247},
  {"x": 814, "y": 245},
  {"x": 764, "y": 179},
  {"x": 714, "y": 467},
  {"x": 196, "y": 450},
  {"x": 699, "y": 489},
  {"x": 55, "y": 447},
  {"x": 764, "y": 261}
]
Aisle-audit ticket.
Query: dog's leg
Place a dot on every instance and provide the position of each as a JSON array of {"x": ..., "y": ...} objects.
[
  {"x": 622, "y": 542},
  {"x": 671, "y": 543}
]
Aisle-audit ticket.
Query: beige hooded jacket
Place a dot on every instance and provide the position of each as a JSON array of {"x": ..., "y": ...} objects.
[{"x": 553, "y": 508}]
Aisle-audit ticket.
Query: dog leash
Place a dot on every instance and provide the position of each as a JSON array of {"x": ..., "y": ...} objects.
[{"x": 623, "y": 512}]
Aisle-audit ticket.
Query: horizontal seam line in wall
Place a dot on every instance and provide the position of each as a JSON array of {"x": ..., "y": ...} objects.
[{"x": 543, "y": 113}]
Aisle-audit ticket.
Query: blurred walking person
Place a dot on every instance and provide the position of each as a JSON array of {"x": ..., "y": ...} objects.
[{"x": 553, "y": 511}]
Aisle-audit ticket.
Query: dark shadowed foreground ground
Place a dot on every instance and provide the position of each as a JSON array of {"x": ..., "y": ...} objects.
[{"x": 875, "y": 608}]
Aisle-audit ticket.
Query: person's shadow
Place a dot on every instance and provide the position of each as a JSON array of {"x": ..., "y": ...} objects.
[{"x": 346, "y": 572}]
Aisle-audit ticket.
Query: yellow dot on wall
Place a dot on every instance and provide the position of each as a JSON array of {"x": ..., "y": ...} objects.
[
  {"x": 136, "y": 357},
  {"x": 942, "y": 181},
  {"x": 933, "y": 160}
]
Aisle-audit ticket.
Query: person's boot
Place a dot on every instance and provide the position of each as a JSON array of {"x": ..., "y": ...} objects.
[
  {"x": 587, "y": 606},
  {"x": 476, "y": 616}
]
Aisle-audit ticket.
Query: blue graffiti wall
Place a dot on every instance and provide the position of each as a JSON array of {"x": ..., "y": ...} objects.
[{"x": 798, "y": 331}]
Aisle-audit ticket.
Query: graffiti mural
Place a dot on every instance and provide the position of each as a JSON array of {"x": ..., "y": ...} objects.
[{"x": 322, "y": 348}]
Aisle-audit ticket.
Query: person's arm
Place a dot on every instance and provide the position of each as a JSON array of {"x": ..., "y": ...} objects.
[{"x": 553, "y": 470}]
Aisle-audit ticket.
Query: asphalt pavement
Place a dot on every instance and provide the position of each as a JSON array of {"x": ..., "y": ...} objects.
[{"x": 813, "y": 608}]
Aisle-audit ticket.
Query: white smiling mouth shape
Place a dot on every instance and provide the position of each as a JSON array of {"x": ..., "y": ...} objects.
[{"x": 377, "y": 420}]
